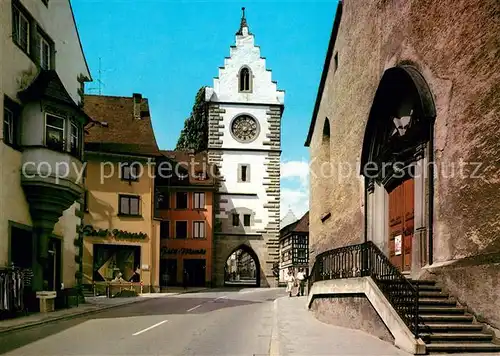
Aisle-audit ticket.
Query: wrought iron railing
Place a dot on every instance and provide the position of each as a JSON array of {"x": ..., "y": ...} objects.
[{"x": 366, "y": 260}]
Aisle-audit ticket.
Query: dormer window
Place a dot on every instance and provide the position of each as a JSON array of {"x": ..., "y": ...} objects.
[
  {"x": 245, "y": 80},
  {"x": 54, "y": 132}
]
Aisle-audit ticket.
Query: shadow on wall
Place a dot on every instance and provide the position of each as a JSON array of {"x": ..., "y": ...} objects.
[{"x": 238, "y": 219}]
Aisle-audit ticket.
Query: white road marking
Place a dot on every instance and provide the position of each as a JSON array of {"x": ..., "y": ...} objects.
[
  {"x": 151, "y": 327},
  {"x": 193, "y": 308}
]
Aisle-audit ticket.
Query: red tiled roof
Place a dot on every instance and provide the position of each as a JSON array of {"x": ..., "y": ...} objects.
[
  {"x": 196, "y": 165},
  {"x": 116, "y": 129}
]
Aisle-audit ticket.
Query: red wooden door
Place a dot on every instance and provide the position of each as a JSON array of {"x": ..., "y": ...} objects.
[{"x": 401, "y": 209}]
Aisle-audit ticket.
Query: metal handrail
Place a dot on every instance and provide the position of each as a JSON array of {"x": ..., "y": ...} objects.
[{"x": 366, "y": 260}]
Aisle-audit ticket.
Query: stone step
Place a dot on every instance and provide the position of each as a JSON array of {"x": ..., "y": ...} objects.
[
  {"x": 438, "y": 327},
  {"x": 444, "y": 318},
  {"x": 437, "y": 301},
  {"x": 433, "y": 294},
  {"x": 429, "y": 288},
  {"x": 422, "y": 282},
  {"x": 462, "y": 347},
  {"x": 460, "y": 337},
  {"x": 440, "y": 309}
]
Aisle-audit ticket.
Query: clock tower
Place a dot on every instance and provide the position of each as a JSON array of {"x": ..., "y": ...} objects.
[{"x": 245, "y": 109}]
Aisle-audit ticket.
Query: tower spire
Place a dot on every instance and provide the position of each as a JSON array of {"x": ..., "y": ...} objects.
[{"x": 243, "y": 24}]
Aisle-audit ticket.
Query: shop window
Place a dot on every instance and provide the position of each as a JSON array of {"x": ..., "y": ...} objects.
[
  {"x": 129, "y": 205},
  {"x": 199, "y": 200},
  {"x": 181, "y": 230},
  {"x": 181, "y": 200},
  {"x": 165, "y": 229},
  {"x": 199, "y": 229}
]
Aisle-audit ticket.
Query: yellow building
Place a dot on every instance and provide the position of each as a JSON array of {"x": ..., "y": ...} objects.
[
  {"x": 121, "y": 243},
  {"x": 42, "y": 75}
]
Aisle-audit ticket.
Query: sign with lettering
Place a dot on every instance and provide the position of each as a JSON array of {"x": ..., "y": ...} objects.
[
  {"x": 398, "y": 245},
  {"x": 182, "y": 251}
]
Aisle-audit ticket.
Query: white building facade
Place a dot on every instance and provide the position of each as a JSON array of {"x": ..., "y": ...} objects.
[
  {"x": 42, "y": 76},
  {"x": 245, "y": 109}
]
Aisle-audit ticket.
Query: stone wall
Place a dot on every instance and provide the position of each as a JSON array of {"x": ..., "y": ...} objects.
[
  {"x": 454, "y": 45},
  {"x": 353, "y": 312}
]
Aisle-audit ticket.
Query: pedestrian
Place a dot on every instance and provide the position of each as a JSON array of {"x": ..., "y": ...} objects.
[
  {"x": 290, "y": 282},
  {"x": 185, "y": 279},
  {"x": 301, "y": 278}
]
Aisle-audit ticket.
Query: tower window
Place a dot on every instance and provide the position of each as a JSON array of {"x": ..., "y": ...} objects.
[
  {"x": 243, "y": 173},
  {"x": 245, "y": 84}
]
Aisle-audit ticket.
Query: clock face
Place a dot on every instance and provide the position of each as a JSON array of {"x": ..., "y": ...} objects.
[{"x": 245, "y": 128}]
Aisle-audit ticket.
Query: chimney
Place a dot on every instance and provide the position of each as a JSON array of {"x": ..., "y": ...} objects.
[{"x": 137, "y": 105}]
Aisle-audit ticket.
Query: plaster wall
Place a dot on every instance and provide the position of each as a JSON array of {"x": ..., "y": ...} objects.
[
  {"x": 103, "y": 213},
  {"x": 245, "y": 53},
  {"x": 57, "y": 22}
]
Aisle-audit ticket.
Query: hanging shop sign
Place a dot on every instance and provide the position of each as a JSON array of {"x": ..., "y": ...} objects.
[{"x": 182, "y": 251}]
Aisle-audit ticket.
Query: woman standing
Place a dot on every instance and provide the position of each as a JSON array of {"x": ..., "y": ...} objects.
[{"x": 290, "y": 282}]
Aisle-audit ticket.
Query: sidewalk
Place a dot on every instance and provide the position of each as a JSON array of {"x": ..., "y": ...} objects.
[
  {"x": 92, "y": 305},
  {"x": 297, "y": 332}
]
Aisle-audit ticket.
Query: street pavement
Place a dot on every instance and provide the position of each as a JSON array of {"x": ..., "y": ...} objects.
[
  {"x": 219, "y": 322},
  {"x": 215, "y": 322}
]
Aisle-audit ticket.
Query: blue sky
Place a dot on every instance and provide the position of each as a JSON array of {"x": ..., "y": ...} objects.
[{"x": 167, "y": 50}]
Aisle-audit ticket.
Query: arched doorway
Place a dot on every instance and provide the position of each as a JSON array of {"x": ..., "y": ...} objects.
[
  {"x": 242, "y": 268},
  {"x": 397, "y": 150}
]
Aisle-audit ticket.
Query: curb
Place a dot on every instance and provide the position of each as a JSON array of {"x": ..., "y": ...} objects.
[
  {"x": 274, "y": 346},
  {"x": 86, "y": 312}
]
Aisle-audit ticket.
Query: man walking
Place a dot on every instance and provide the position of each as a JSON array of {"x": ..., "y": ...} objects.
[{"x": 301, "y": 278}]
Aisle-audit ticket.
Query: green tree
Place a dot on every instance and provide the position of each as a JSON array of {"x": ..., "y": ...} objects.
[{"x": 194, "y": 135}]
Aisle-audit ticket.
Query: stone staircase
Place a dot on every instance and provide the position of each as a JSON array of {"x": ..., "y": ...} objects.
[{"x": 446, "y": 327}]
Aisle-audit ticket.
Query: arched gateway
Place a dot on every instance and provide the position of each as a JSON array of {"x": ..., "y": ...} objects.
[
  {"x": 242, "y": 267},
  {"x": 397, "y": 150}
]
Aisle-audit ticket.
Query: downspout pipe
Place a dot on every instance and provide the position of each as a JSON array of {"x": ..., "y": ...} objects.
[{"x": 431, "y": 190}]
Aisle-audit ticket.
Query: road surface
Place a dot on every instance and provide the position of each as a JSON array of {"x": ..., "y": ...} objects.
[{"x": 216, "y": 322}]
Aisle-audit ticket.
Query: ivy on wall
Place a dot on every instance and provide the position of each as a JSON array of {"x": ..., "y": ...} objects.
[
  {"x": 194, "y": 135},
  {"x": 88, "y": 230}
]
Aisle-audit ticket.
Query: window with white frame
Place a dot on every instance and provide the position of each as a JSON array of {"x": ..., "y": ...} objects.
[
  {"x": 199, "y": 229},
  {"x": 20, "y": 29},
  {"x": 8, "y": 126},
  {"x": 199, "y": 200},
  {"x": 54, "y": 131},
  {"x": 130, "y": 172},
  {"x": 45, "y": 52},
  {"x": 75, "y": 139}
]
